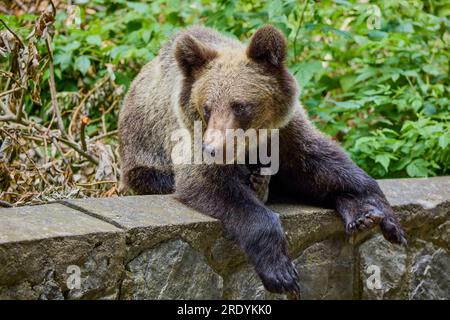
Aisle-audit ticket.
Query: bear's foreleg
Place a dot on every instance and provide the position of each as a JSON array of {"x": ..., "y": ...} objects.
[
  {"x": 222, "y": 191},
  {"x": 315, "y": 169},
  {"x": 260, "y": 185}
]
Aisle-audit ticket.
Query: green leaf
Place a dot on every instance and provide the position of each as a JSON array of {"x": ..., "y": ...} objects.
[
  {"x": 118, "y": 52},
  {"x": 417, "y": 168},
  {"x": 405, "y": 27},
  {"x": 140, "y": 7},
  {"x": 82, "y": 64},
  {"x": 429, "y": 109},
  {"x": 146, "y": 34},
  {"x": 361, "y": 40},
  {"x": 377, "y": 35},
  {"x": 444, "y": 141},
  {"x": 366, "y": 73},
  {"x": 350, "y": 104},
  {"x": 72, "y": 46},
  {"x": 431, "y": 69},
  {"x": 94, "y": 40},
  {"x": 384, "y": 160},
  {"x": 306, "y": 71},
  {"x": 63, "y": 60},
  {"x": 347, "y": 82}
]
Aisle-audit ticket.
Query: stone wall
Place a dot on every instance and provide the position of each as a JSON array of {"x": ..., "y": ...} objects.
[{"x": 152, "y": 247}]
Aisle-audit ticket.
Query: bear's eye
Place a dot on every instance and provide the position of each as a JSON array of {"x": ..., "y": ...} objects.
[
  {"x": 240, "y": 109},
  {"x": 206, "y": 111}
]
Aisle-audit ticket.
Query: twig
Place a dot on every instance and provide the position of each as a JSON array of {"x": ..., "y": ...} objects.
[
  {"x": 104, "y": 124},
  {"x": 5, "y": 93},
  {"x": 43, "y": 130},
  {"x": 10, "y": 76},
  {"x": 45, "y": 150},
  {"x": 53, "y": 6},
  {"x": 78, "y": 149},
  {"x": 13, "y": 33},
  {"x": 5, "y": 204},
  {"x": 84, "y": 122},
  {"x": 94, "y": 183},
  {"x": 115, "y": 102},
  {"x": 52, "y": 85},
  {"x": 58, "y": 147},
  {"x": 83, "y": 101},
  {"x": 105, "y": 135},
  {"x": 300, "y": 24},
  {"x": 10, "y": 118},
  {"x": 20, "y": 105},
  {"x": 26, "y": 155}
]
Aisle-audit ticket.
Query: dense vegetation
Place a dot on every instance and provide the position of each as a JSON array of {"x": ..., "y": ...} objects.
[{"x": 375, "y": 76}]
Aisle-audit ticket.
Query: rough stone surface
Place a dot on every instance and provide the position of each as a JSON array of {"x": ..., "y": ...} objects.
[
  {"x": 142, "y": 211},
  {"x": 47, "y": 221},
  {"x": 326, "y": 270},
  {"x": 390, "y": 260},
  {"x": 426, "y": 192},
  {"x": 39, "y": 243},
  {"x": 430, "y": 274},
  {"x": 152, "y": 247},
  {"x": 172, "y": 270},
  {"x": 149, "y": 220},
  {"x": 245, "y": 284}
]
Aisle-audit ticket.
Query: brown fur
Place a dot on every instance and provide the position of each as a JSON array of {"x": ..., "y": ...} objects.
[
  {"x": 201, "y": 75},
  {"x": 268, "y": 46}
]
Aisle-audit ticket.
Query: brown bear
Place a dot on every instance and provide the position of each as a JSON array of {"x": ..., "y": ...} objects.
[{"x": 201, "y": 75}]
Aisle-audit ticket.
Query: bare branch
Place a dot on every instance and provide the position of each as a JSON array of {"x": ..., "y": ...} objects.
[
  {"x": 5, "y": 93},
  {"x": 13, "y": 33},
  {"x": 10, "y": 118},
  {"x": 74, "y": 146},
  {"x": 44, "y": 130},
  {"x": 5, "y": 204},
  {"x": 52, "y": 85},
  {"x": 84, "y": 122},
  {"x": 83, "y": 101},
  {"x": 105, "y": 135}
]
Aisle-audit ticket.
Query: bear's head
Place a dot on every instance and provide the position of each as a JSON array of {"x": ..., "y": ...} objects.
[{"x": 236, "y": 87}]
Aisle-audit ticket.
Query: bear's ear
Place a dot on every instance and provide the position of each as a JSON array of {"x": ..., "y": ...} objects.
[
  {"x": 268, "y": 46},
  {"x": 191, "y": 54}
]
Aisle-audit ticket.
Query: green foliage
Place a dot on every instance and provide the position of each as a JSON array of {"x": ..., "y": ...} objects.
[{"x": 379, "y": 86}]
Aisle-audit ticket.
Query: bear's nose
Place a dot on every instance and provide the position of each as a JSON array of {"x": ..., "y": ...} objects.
[{"x": 209, "y": 149}]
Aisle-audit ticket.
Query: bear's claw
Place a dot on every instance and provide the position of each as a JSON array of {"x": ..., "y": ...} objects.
[
  {"x": 392, "y": 231},
  {"x": 366, "y": 220},
  {"x": 283, "y": 278}
]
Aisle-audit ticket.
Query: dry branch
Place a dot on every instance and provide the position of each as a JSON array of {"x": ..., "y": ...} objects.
[{"x": 47, "y": 160}]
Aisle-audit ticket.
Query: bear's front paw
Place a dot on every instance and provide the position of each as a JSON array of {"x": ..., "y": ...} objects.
[
  {"x": 281, "y": 277},
  {"x": 361, "y": 213},
  {"x": 393, "y": 231},
  {"x": 365, "y": 219}
]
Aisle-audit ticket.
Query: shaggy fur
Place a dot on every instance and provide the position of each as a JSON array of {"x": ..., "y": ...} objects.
[{"x": 201, "y": 75}]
